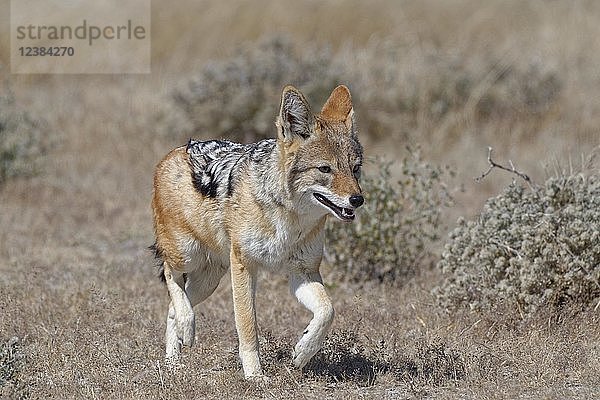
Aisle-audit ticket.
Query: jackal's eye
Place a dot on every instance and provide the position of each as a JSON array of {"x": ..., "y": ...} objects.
[
  {"x": 356, "y": 170},
  {"x": 326, "y": 169}
]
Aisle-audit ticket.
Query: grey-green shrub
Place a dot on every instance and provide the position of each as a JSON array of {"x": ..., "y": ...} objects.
[
  {"x": 397, "y": 89},
  {"x": 21, "y": 140},
  {"x": 528, "y": 249},
  {"x": 393, "y": 232},
  {"x": 238, "y": 98},
  {"x": 410, "y": 91}
]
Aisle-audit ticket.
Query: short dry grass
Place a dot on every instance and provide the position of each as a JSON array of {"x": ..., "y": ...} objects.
[{"x": 77, "y": 286}]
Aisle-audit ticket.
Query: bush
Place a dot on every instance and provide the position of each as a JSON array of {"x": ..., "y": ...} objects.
[
  {"x": 238, "y": 98},
  {"x": 392, "y": 236},
  {"x": 528, "y": 249},
  {"x": 21, "y": 141},
  {"x": 398, "y": 89},
  {"x": 420, "y": 91}
]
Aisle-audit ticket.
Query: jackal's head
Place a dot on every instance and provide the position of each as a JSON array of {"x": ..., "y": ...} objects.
[{"x": 321, "y": 153}]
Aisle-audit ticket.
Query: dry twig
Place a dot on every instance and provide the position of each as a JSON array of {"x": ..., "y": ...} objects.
[{"x": 493, "y": 164}]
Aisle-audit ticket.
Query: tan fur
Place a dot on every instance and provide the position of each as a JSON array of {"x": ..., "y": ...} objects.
[
  {"x": 338, "y": 106},
  {"x": 271, "y": 218}
]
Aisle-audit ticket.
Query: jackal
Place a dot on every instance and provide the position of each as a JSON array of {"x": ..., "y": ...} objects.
[{"x": 219, "y": 205}]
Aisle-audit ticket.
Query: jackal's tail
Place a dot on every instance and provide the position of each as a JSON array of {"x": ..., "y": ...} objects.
[{"x": 159, "y": 261}]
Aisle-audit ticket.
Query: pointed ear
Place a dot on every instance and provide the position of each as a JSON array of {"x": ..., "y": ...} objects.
[
  {"x": 295, "y": 118},
  {"x": 338, "y": 107}
]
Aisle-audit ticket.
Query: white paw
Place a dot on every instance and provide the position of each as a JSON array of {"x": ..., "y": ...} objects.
[
  {"x": 173, "y": 354},
  {"x": 250, "y": 364},
  {"x": 187, "y": 331},
  {"x": 188, "y": 336},
  {"x": 301, "y": 355}
]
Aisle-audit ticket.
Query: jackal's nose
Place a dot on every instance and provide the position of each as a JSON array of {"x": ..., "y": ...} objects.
[{"x": 356, "y": 200}]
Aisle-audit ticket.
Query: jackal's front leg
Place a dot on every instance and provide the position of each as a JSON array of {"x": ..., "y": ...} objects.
[
  {"x": 243, "y": 283},
  {"x": 310, "y": 292}
]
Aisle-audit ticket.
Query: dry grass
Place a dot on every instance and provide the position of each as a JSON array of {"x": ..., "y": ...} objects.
[{"x": 77, "y": 285}]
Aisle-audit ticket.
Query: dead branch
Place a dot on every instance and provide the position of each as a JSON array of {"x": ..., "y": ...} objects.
[{"x": 493, "y": 164}]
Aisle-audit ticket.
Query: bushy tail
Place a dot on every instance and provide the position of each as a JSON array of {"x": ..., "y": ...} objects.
[{"x": 158, "y": 256}]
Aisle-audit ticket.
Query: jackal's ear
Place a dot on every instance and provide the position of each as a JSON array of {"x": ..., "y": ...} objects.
[
  {"x": 295, "y": 117},
  {"x": 338, "y": 107}
]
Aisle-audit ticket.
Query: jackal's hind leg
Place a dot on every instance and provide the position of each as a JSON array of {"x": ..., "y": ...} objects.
[
  {"x": 173, "y": 343},
  {"x": 310, "y": 292},
  {"x": 180, "y": 319}
]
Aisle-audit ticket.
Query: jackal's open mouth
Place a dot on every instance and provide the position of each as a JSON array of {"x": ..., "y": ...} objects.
[{"x": 345, "y": 214}]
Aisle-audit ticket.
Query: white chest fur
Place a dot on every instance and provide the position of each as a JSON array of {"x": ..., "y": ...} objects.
[{"x": 290, "y": 239}]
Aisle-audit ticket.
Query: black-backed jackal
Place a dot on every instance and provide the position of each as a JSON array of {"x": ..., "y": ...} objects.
[{"x": 219, "y": 205}]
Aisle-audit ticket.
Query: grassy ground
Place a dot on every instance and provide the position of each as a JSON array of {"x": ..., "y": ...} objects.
[{"x": 77, "y": 284}]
